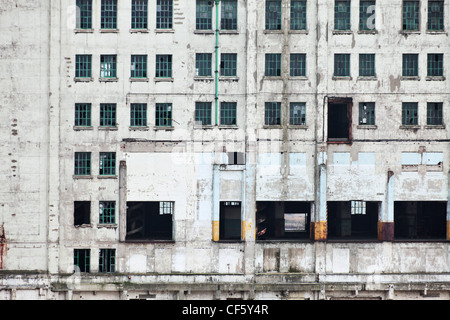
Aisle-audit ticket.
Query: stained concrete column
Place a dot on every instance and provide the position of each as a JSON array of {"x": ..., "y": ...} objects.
[
  {"x": 216, "y": 203},
  {"x": 448, "y": 207},
  {"x": 386, "y": 217},
  {"x": 319, "y": 226},
  {"x": 122, "y": 200}
]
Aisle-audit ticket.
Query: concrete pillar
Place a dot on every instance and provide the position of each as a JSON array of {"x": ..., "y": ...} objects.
[
  {"x": 122, "y": 200},
  {"x": 448, "y": 207},
  {"x": 216, "y": 203},
  {"x": 319, "y": 227},
  {"x": 386, "y": 216}
]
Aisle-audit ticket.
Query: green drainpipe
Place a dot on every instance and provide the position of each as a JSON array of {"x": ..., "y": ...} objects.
[{"x": 217, "y": 61}]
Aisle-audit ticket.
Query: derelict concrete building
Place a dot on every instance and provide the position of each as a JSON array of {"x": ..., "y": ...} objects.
[{"x": 174, "y": 149}]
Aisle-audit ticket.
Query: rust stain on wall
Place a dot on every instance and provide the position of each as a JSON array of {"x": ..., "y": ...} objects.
[{"x": 3, "y": 248}]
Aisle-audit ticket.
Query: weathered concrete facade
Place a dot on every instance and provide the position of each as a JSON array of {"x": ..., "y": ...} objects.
[{"x": 387, "y": 165}]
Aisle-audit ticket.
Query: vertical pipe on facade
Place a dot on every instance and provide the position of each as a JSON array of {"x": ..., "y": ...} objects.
[{"x": 217, "y": 62}]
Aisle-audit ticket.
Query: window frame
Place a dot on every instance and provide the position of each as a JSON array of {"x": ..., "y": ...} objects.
[
  {"x": 107, "y": 260},
  {"x": 364, "y": 15},
  {"x": 413, "y": 119},
  {"x": 435, "y": 68},
  {"x": 107, "y": 163},
  {"x": 139, "y": 63},
  {"x": 298, "y": 15},
  {"x": 229, "y": 7},
  {"x": 274, "y": 13},
  {"x": 368, "y": 114},
  {"x": 345, "y": 71},
  {"x": 272, "y": 111},
  {"x": 107, "y": 212},
  {"x": 87, "y": 260},
  {"x": 435, "y": 117},
  {"x": 203, "y": 17},
  {"x": 203, "y": 64},
  {"x": 139, "y": 15},
  {"x": 273, "y": 65},
  {"x": 163, "y": 68},
  {"x": 108, "y": 66},
  {"x": 164, "y": 14},
  {"x": 407, "y": 25},
  {"x": 300, "y": 118},
  {"x": 410, "y": 67},
  {"x": 228, "y": 113},
  {"x": 108, "y": 115},
  {"x": 163, "y": 115},
  {"x": 83, "y": 118},
  {"x": 431, "y": 20},
  {"x": 84, "y": 14},
  {"x": 367, "y": 66},
  {"x": 83, "y": 66},
  {"x": 138, "y": 115},
  {"x": 228, "y": 64},
  {"x": 342, "y": 19},
  {"x": 297, "y": 68},
  {"x": 82, "y": 164},
  {"x": 203, "y": 111},
  {"x": 108, "y": 15}
]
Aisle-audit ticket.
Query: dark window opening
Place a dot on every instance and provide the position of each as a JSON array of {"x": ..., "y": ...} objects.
[
  {"x": 82, "y": 260},
  {"x": 356, "y": 220},
  {"x": 277, "y": 220},
  {"x": 230, "y": 220},
  {"x": 150, "y": 220},
  {"x": 236, "y": 158},
  {"x": 339, "y": 120},
  {"x": 420, "y": 220},
  {"x": 82, "y": 213}
]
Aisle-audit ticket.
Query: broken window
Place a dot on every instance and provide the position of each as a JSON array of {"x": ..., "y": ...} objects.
[
  {"x": 410, "y": 113},
  {"x": 203, "y": 62},
  {"x": 367, "y": 113},
  {"x": 411, "y": 10},
  {"x": 82, "y": 260},
  {"x": 139, "y": 14},
  {"x": 108, "y": 66},
  {"x": 228, "y": 64},
  {"x": 436, "y": 15},
  {"x": 420, "y": 220},
  {"x": 298, "y": 15},
  {"x": 339, "y": 120},
  {"x": 107, "y": 212},
  {"x": 107, "y": 164},
  {"x": 84, "y": 14},
  {"x": 81, "y": 213},
  {"x": 355, "y": 219},
  {"x": 203, "y": 19},
  {"x": 108, "y": 14},
  {"x": 230, "y": 220},
  {"x": 163, "y": 66},
  {"x": 163, "y": 117},
  {"x": 434, "y": 114},
  {"x": 164, "y": 14},
  {"x": 150, "y": 220},
  {"x": 228, "y": 113},
  {"x": 342, "y": 15},
  {"x": 139, "y": 66},
  {"x": 236, "y": 158},
  {"x": 297, "y": 113},
  {"x": 278, "y": 220},
  {"x": 272, "y": 114},
  {"x": 107, "y": 260},
  {"x": 273, "y": 14},
  {"x": 228, "y": 15}
]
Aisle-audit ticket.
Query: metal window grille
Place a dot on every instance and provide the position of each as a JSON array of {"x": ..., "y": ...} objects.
[
  {"x": 367, "y": 65},
  {"x": 410, "y": 65},
  {"x": 203, "y": 113},
  {"x": 84, "y": 18},
  {"x": 342, "y": 65},
  {"x": 107, "y": 212},
  {"x": 108, "y": 18},
  {"x": 203, "y": 63},
  {"x": 409, "y": 113},
  {"x": 108, "y": 66},
  {"x": 163, "y": 117},
  {"x": 298, "y": 65},
  {"x": 139, "y": 66},
  {"x": 228, "y": 64},
  {"x": 82, "y": 259},
  {"x": 108, "y": 114},
  {"x": 228, "y": 113},
  {"x": 342, "y": 15},
  {"x": 138, "y": 115},
  {"x": 435, "y": 65},
  {"x": 163, "y": 66},
  {"x": 164, "y": 14},
  {"x": 435, "y": 15},
  {"x": 165, "y": 207},
  {"x": 107, "y": 260},
  {"x": 107, "y": 164},
  {"x": 229, "y": 15},
  {"x": 272, "y": 114},
  {"x": 83, "y": 114},
  {"x": 358, "y": 207},
  {"x": 297, "y": 113},
  {"x": 298, "y": 14},
  {"x": 367, "y": 113},
  {"x": 411, "y": 15},
  {"x": 273, "y": 64},
  {"x": 82, "y": 163},
  {"x": 273, "y": 14},
  {"x": 366, "y": 15},
  {"x": 203, "y": 19},
  {"x": 434, "y": 113},
  {"x": 139, "y": 14},
  {"x": 83, "y": 65}
]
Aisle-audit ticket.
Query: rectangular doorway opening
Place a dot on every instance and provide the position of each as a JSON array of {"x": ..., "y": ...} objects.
[{"x": 339, "y": 120}]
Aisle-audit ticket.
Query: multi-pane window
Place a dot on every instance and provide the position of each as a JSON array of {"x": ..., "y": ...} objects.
[
  {"x": 203, "y": 19},
  {"x": 107, "y": 260},
  {"x": 435, "y": 114},
  {"x": 107, "y": 163},
  {"x": 228, "y": 64},
  {"x": 107, "y": 212},
  {"x": 298, "y": 14},
  {"x": 203, "y": 113},
  {"x": 297, "y": 65},
  {"x": 229, "y": 15},
  {"x": 108, "y": 114},
  {"x": 342, "y": 15},
  {"x": 138, "y": 115},
  {"x": 139, "y": 14},
  {"x": 163, "y": 116},
  {"x": 410, "y": 65},
  {"x": 83, "y": 65},
  {"x": 272, "y": 113},
  {"x": 82, "y": 114},
  {"x": 411, "y": 11},
  {"x": 108, "y": 18},
  {"x": 342, "y": 65},
  {"x": 273, "y": 65},
  {"x": 203, "y": 62},
  {"x": 297, "y": 113},
  {"x": 435, "y": 65},
  {"x": 163, "y": 66},
  {"x": 410, "y": 113},
  {"x": 367, "y": 113},
  {"x": 367, "y": 15},
  {"x": 82, "y": 259},
  {"x": 138, "y": 66},
  {"x": 108, "y": 66},
  {"x": 166, "y": 207},
  {"x": 367, "y": 65},
  {"x": 435, "y": 15},
  {"x": 84, "y": 14},
  {"x": 228, "y": 113},
  {"x": 164, "y": 14},
  {"x": 82, "y": 163},
  {"x": 273, "y": 14}
]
